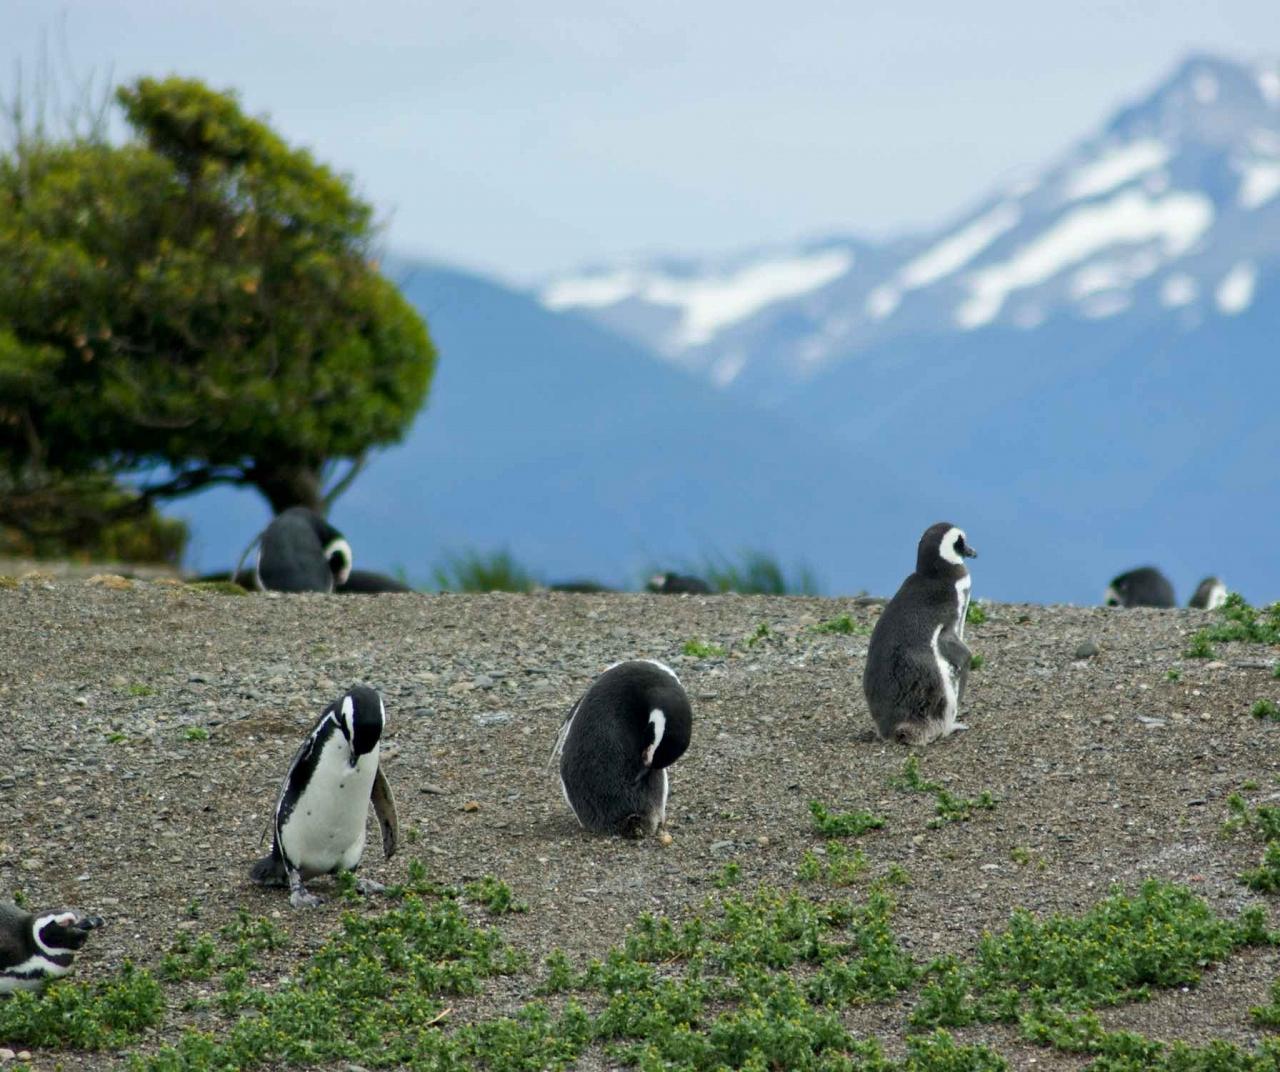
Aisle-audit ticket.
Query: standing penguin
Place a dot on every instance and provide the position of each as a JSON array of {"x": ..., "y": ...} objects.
[
  {"x": 301, "y": 552},
  {"x": 35, "y": 949},
  {"x": 1210, "y": 594},
  {"x": 320, "y": 815},
  {"x": 918, "y": 664},
  {"x": 1143, "y": 587},
  {"x": 631, "y": 724}
]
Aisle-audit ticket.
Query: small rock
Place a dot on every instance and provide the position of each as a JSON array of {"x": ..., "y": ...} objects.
[
  {"x": 665, "y": 839},
  {"x": 483, "y": 681},
  {"x": 432, "y": 788},
  {"x": 990, "y": 867},
  {"x": 1108, "y": 719},
  {"x": 1147, "y": 720},
  {"x": 1087, "y": 649},
  {"x": 6, "y": 1054},
  {"x": 763, "y": 841},
  {"x": 918, "y": 839},
  {"x": 471, "y": 805},
  {"x": 491, "y": 718},
  {"x": 81, "y": 702},
  {"x": 109, "y": 580},
  {"x": 721, "y": 846}
]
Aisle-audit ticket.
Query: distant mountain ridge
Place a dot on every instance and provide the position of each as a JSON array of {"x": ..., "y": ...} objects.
[{"x": 1171, "y": 212}]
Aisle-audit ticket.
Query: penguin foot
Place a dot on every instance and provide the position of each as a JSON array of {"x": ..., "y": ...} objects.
[
  {"x": 300, "y": 898},
  {"x": 368, "y": 886},
  {"x": 957, "y": 727}
]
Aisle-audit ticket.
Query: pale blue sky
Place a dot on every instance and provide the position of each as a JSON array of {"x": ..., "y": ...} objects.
[{"x": 524, "y": 138}]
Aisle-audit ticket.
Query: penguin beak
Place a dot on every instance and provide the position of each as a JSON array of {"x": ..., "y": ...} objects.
[{"x": 969, "y": 552}]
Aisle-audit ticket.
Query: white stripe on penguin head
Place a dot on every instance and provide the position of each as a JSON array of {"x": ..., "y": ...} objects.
[
  {"x": 658, "y": 721},
  {"x": 65, "y": 919},
  {"x": 948, "y": 547}
]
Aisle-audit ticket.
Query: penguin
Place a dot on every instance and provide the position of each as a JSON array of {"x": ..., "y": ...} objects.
[
  {"x": 917, "y": 663},
  {"x": 616, "y": 744},
  {"x": 678, "y": 584},
  {"x": 301, "y": 552},
  {"x": 320, "y": 813},
  {"x": 1210, "y": 594},
  {"x": 1144, "y": 587},
  {"x": 368, "y": 582},
  {"x": 35, "y": 949}
]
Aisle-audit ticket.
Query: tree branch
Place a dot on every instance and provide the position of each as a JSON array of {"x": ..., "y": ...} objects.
[{"x": 357, "y": 464}]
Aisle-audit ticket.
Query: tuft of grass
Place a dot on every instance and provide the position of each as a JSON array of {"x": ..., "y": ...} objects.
[
  {"x": 140, "y": 690},
  {"x": 1275, "y": 671},
  {"x": 472, "y": 571},
  {"x": 730, "y": 875},
  {"x": 1266, "y": 709},
  {"x": 195, "y": 733},
  {"x": 761, "y": 633},
  {"x": 977, "y": 661},
  {"x": 1239, "y": 623},
  {"x": 843, "y": 625},
  {"x": 116, "y": 737},
  {"x": 837, "y": 866},
  {"x": 1162, "y": 936},
  {"x": 756, "y": 573},
  {"x": 1173, "y": 675},
  {"x": 950, "y": 809},
  {"x": 700, "y": 649},
  {"x": 85, "y": 1016},
  {"x": 975, "y": 615},
  {"x": 496, "y": 896},
  {"x": 849, "y": 824}
]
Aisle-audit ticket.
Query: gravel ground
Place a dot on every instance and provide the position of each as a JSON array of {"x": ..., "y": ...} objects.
[{"x": 1104, "y": 770}]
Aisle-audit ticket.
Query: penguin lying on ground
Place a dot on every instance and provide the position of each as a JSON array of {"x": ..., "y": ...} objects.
[
  {"x": 35, "y": 949},
  {"x": 320, "y": 814},
  {"x": 918, "y": 664},
  {"x": 301, "y": 552},
  {"x": 367, "y": 582},
  {"x": 1143, "y": 587},
  {"x": 631, "y": 724},
  {"x": 1210, "y": 594},
  {"x": 678, "y": 584}
]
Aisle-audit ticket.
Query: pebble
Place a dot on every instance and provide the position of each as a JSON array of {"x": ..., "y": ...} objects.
[
  {"x": 6, "y": 1054},
  {"x": 491, "y": 718},
  {"x": 1087, "y": 649},
  {"x": 432, "y": 788},
  {"x": 483, "y": 681},
  {"x": 721, "y": 846}
]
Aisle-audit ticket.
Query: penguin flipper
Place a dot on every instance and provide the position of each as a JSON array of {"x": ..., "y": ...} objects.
[{"x": 384, "y": 806}]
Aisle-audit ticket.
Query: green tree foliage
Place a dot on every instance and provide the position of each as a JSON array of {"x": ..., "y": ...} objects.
[{"x": 199, "y": 300}]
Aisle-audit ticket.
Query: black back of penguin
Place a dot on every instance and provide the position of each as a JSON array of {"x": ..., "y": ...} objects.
[
  {"x": 1143, "y": 587},
  {"x": 631, "y": 724},
  {"x": 302, "y": 552},
  {"x": 1210, "y": 594},
  {"x": 901, "y": 679}
]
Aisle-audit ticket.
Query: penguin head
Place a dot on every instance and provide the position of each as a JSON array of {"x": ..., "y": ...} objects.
[
  {"x": 667, "y": 727},
  {"x": 361, "y": 716},
  {"x": 336, "y": 550},
  {"x": 63, "y": 931},
  {"x": 943, "y": 549}
]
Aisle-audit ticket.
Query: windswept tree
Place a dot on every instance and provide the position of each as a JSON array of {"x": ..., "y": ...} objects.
[{"x": 198, "y": 302}]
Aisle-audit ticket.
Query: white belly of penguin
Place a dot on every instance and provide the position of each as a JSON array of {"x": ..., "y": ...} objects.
[
  {"x": 327, "y": 827},
  {"x": 963, "y": 587},
  {"x": 947, "y": 675}
]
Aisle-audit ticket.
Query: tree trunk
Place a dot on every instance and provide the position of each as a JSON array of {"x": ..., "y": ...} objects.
[{"x": 286, "y": 485}]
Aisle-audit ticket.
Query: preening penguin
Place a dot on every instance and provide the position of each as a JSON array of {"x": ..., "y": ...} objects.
[
  {"x": 1144, "y": 587},
  {"x": 615, "y": 746},
  {"x": 301, "y": 552},
  {"x": 1210, "y": 594},
  {"x": 918, "y": 664},
  {"x": 35, "y": 949},
  {"x": 320, "y": 814}
]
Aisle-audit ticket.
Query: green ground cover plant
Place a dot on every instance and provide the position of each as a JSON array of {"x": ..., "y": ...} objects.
[
  {"x": 848, "y": 824},
  {"x": 1239, "y": 623},
  {"x": 950, "y": 808}
]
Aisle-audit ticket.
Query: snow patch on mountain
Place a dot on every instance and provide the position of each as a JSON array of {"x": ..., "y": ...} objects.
[
  {"x": 1235, "y": 292},
  {"x": 944, "y": 258},
  {"x": 1117, "y": 167},
  {"x": 707, "y": 303},
  {"x": 1259, "y": 183},
  {"x": 1177, "y": 290},
  {"x": 1176, "y": 221}
]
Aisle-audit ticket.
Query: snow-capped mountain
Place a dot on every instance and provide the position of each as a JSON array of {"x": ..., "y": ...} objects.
[{"x": 1169, "y": 214}]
